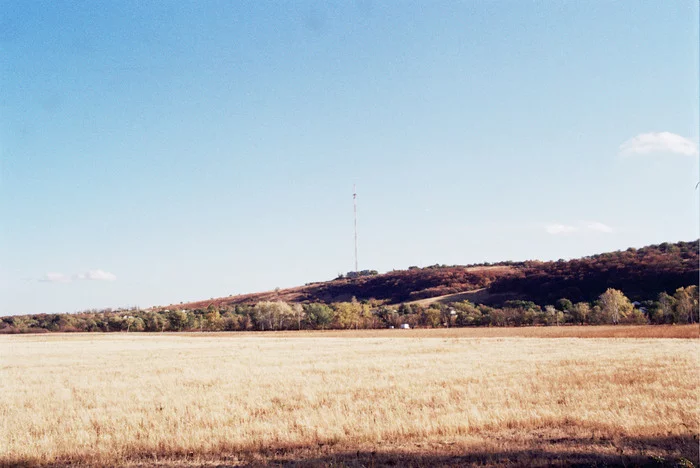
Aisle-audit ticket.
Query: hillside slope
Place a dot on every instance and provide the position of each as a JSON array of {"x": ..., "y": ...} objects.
[{"x": 641, "y": 273}]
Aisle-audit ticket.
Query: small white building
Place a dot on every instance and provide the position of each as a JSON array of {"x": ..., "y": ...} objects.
[{"x": 405, "y": 326}]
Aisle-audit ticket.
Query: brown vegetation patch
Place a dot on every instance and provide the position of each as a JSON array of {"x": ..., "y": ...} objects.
[{"x": 392, "y": 287}]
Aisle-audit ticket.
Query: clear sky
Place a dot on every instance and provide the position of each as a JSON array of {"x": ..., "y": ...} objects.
[{"x": 157, "y": 152}]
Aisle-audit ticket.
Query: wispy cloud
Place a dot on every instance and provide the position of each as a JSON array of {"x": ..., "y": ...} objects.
[
  {"x": 92, "y": 275},
  {"x": 599, "y": 227},
  {"x": 96, "y": 275},
  {"x": 658, "y": 142},
  {"x": 559, "y": 228},
  {"x": 52, "y": 277},
  {"x": 580, "y": 227}
]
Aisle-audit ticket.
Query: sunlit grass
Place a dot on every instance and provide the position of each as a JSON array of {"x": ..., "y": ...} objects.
[{"x": 116, "y": 398}]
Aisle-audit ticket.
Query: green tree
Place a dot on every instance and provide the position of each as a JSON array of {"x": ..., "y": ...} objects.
[
  {"x": 90, "y": 325},
  {"x": 177, "y": 319},
  {"x": 445, "y": 313},
  {"x": 430, "y": 317},
  {"x": 195, "y": 320},
  {"x": 319, "y": 315},
  {"x": 128, "y": 322},
  {"x": 486, "y": 312},
  {"x": 115, "y": 323},
  {"x": 135, "y": 324},
  {"x": 232, "y": 322},
  {"x": 21, "y": 322},
  {"x": 596, "y": 316},
  {"x": 564, "y": 305},
  {"x": 580, "y": 312},
  {"x": 467, "y": 314},
  {"x": 516, "y": 313},
  {"x": 497, "y": 317},
  {"x": 155, "y": 322},
  {"x": 212, "y": 318},
  {"x": 656, "y": 315},
  {"x": 553, "y": 316},
  {"x": 389, "y": 317},
  {"x": 667, "y": 304},
  {"x": 349, "y": 314},
  {"x": 636, "y": 317}
]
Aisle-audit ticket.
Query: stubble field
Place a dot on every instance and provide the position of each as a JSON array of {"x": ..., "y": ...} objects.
[{"x": 350, "y": 399}]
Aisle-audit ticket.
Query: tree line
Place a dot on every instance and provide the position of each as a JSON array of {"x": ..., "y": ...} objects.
[{"x": 611, "y": 307}]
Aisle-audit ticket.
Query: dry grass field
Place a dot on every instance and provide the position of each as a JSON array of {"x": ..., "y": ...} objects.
[
  {"x": 586, "y": 331},
  {"x": 486, "y": 397}
]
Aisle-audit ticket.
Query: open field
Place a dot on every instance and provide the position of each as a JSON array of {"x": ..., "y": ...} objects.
[{"x": 353, "y": 399}]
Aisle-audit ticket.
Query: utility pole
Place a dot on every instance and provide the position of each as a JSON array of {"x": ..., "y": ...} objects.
[{"x": 354, "y": 208}]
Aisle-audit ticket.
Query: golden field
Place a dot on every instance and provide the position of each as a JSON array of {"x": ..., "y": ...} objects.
[{"x": 394, "y": 397}]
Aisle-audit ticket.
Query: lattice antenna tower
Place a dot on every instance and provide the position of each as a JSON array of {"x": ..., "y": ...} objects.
[{"x": 354, "y": 210}]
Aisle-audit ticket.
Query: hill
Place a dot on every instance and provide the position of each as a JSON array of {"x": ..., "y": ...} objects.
[
  {"x": 641, "y": 273},
  {"x": 503, "y": 294}
]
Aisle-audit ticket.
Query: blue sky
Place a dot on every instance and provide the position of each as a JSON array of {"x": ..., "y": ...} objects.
[{"x": 157, "y": 152}]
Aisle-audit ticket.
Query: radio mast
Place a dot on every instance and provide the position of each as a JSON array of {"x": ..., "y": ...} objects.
[{"x": 354, "y": 209}]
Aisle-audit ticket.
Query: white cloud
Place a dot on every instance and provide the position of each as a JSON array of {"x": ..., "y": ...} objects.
[
  {"x": 55, "y": 278},
  {"x": 658, "y": 142},
  {"x": 92, "y": 275},
  {"x": 96, "y": 275},
  {"x": 599, "y": 227},
  {"x": 560, "y": 229},
  {"x": 581, "y": 226}
]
